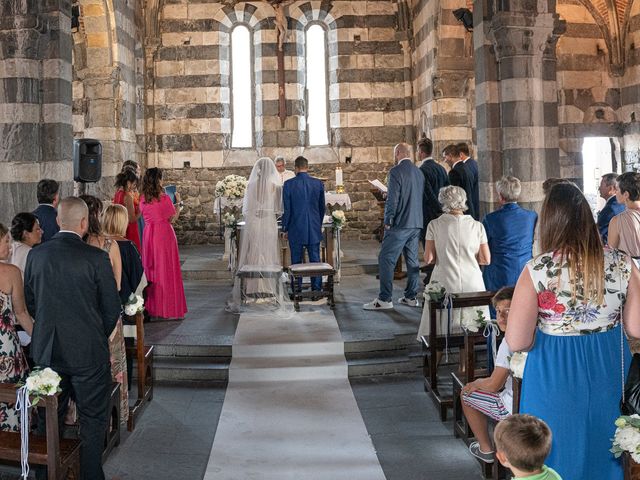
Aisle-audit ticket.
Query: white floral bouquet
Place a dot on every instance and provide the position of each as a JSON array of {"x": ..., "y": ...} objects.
[
  {"x": 41, "y": 383},
  {"x": 434, "y": 291},
  {"x": 517, "y": 361},
  {"x": 339, "y": 218},
  {"x": 231, "y": 186},
  {"x": 134, "y": 305},
  {"x": 474, "y": 324},
  {"x": 229, "y": 220},
  {"x": 627, "y": 437}
]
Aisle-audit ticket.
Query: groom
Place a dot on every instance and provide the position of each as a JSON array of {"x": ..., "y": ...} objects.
[{"x": 304, "y": 207}]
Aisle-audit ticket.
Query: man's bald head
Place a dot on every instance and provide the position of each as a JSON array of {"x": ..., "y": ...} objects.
[
  {"x": 402, "y": 150},
  {"x": 73, "y": 215}
]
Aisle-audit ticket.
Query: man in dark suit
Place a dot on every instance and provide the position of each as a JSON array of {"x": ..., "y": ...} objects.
[
  {"x": 402, "y": 226},
  {"x": 611, "y": 207},
  {"x": 71, "y": 292},
  {"x": 48, "y": 194},
  {"x": 460, "y": 175},
  {"x": 472, "y": 166},
  {"x": 304, "y": 207}
]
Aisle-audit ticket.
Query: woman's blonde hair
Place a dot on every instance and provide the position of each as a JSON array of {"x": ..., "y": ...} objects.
[
  {"x": 567, "y": 227},
  {"x": 115, "y": 220}
]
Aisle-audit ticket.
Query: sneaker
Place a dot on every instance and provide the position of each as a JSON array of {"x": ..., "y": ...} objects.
[
  {"x": 409, "y": 302},
  {"x": 486, "y": 457},
  {"x": 378, "y": 304}
]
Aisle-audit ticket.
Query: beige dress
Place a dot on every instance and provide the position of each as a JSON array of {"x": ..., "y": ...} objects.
[{"x": 629, "y": 228}]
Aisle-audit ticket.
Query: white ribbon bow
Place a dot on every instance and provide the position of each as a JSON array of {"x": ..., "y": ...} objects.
[{"x": 23, "y": 403}]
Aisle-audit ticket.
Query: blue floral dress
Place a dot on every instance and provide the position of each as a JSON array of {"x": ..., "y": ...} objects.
[
  {"x": 13, "y": 364},
  {"x": 573, "y": 376}
]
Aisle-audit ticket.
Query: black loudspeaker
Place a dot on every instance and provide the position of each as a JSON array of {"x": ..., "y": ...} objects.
[{"x": 87, "y": 160}]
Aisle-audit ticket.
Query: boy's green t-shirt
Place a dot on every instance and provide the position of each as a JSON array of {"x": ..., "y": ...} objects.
[{"x": 546, "y": 474}]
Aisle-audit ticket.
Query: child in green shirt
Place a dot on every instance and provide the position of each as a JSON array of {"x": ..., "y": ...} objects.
[{"x": 523, "y": 442}]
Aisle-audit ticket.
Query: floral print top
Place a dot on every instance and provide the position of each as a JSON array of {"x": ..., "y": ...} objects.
[{"x": 559, "y": 314}]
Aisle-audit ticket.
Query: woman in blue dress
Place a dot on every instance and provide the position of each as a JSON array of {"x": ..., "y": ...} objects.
[{"x": 566, "y": 311}]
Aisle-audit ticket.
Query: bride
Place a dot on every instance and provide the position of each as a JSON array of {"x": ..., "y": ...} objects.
[{"x": 259, "y": 256}]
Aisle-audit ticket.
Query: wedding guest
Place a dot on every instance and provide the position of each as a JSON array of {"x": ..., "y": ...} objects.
[
  {"x": 114, "y": 227},
  {"x": 549, "y": 183},
  {"x": 457, "y": 245},
  {"x": 117, "y": 348},
  {"x": 472, "y": 165},
  {"x": 26, "y": 233},
  {"x": 13, "y": 363},
  {"x": 48, "y": 196},
  {"x": 135, "y": 168},
  {"x": 132, "y": 165},
  {"x": 160, "y": 256},
  {"x": 460, "y": 175},
  {"x": 126, "y": 195},
  {"x": 566, "y": 311},
  {"x": 70, "y": 289},
  {"x": 611, "y": 207},
  {"x": 624, "y": 228},
  {"x": 402, "y": 225},
  {"x": 282, "y": 171}
]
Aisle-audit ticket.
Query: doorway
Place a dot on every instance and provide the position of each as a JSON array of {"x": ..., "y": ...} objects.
[{"x": 598, "y": 158}]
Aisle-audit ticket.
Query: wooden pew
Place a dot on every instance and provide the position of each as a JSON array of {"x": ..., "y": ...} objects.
[
  {"x": 61, "y": 456},
  {"x": 144, "y": 359},
  {"x": 498, "y": 471},
  {"x": 435, "y": 343}
]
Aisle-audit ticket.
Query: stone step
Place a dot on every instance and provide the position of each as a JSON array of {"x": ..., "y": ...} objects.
[
  {"x": 381, "y": 366},
  {"x": 186, "y": 370},
  {"x": 257, "y": 369}
]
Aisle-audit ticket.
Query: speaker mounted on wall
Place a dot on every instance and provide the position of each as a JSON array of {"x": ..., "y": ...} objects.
[{"x": 87, "y": 160}]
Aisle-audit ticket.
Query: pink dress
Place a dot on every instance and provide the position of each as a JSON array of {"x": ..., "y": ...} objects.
[{"x": 161, "y": 262}]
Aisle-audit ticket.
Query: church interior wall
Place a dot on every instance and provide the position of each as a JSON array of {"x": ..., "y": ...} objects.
[{"x": 630, "y": 90}]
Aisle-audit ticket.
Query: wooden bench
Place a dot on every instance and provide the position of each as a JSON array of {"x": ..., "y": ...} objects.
[
  {"x": 436, "y": 343},
  {"x": 145, "y": 373},
  {"x": 316, "y": 269},
  {"x": 61, "y": 456}
]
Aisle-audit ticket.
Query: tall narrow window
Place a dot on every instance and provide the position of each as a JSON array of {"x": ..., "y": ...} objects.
[
  {"x": 241, "y": 88},
  {"x": 317, "y": 86}
]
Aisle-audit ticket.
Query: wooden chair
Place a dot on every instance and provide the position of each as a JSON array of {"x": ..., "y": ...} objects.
[
  {"x": 144, "y": 359},
  {"x": 301, "y": 270},
  {"x": 500, "y": 472},
  {"x": 112, "y": 434},
  {"x": 435, "y": 344},
  {"x": 61, "y": 456}
]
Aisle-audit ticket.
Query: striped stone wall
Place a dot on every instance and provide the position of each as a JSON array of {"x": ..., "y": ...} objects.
[
  {"x": 629, "y": 112},
  {"x": 35, "y": 99}
]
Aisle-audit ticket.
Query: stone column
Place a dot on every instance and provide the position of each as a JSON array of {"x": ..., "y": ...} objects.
[
  {"x": 36, "y": 135},
  {"x": 517, "y": 113}
]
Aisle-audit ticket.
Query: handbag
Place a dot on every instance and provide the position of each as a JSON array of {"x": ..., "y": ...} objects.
[{"x": 630, "y": 402}]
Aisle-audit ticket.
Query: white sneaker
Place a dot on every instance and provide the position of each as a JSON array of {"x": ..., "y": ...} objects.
[
  {"x": 408, "y": 302},
  {"x": 378, "y": 304}
]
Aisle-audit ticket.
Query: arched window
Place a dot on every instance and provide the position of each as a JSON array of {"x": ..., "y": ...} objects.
[
  {"x": 316, "y": 62},
  {"x": 241, "y": 88}
]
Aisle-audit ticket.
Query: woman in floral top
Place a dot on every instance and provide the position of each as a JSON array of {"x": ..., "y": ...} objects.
[{"x": 567, "y": 309}]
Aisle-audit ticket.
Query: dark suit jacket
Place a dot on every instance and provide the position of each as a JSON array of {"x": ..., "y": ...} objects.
[
  {"x": 435, "y": 177},
  {"x": 71, "y": 293},
  {"x": 610, "y": 210},
  {"x": 304, "y": 207},
  {"x": 47, "y": 216},
  {"x": 460, "y": 176},
  {"x": 403, "y": 208},
  {"x": 472, "y": 166}
]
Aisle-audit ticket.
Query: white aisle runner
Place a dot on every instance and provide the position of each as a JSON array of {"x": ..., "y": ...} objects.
[{"x": 289, "y": 411}]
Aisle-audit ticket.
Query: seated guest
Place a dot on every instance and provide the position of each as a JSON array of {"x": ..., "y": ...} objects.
[
  {"x": 114, "y": 227},
  {"x": 492, "y": 396},
  {"x": 26, "y": 232},
  {"x": 127, "y": 195},
  {"x": 13, "y": 363},
  {"x": 523, "y": 443},
  {"x": 510, "y": 232},
  {"x": 611, "y": 208},
  {"x": 283, "y": 173},
  {"x": 624, "y": 228},
  {"x": 48, "y": 196},
  {"x": 457, "y": 245}
]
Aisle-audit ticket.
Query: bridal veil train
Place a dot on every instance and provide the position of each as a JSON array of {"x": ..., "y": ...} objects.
[{"x": 259, "y": 284}]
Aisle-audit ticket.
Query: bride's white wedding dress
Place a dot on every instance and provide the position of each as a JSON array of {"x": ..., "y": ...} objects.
[{"x": 259, "y": 254}]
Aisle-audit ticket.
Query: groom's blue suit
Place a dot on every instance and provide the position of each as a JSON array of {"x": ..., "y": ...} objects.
[{"x": 304, "y": 208}]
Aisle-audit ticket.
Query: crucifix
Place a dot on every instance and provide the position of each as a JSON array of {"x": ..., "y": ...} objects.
[{"x": 281, "y": 29}]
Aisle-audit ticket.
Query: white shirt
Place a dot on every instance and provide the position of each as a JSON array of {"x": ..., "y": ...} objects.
[
  {"x": 19, "y": 252},
  {"x": 71, "y": 231},
  {"x": 286, "y": 175},
  {"x": 502, "y": 360},
  {"x": 426, "y": 159}
]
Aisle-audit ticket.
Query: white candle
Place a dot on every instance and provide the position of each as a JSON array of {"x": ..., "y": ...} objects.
[{"x": 338, "y": 176}]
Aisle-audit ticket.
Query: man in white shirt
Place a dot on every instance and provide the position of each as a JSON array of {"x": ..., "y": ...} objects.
[{"x": 281, "y": 167}]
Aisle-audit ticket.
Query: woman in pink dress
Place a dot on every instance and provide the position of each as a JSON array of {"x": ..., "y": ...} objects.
[
  {"x": 160, "y": 259},
  {"x": 126, "y": 183}
]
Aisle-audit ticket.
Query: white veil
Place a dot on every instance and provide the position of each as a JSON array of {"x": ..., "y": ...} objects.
[{"x": 263, "y": 287}]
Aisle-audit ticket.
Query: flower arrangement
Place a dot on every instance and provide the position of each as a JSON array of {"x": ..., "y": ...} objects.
[
  {"x": 229, "y": 220},
  {"x": 474, "y": 324},
  {"x": 41, "y": 383},
  {"x": 339, "y": 218},
  {"x": 627, "y": 437},
  {"x": 134, "y": 305},
  {"x": 517, "y": 361},
  {"x": 231, "y": 186},
  {"x": 435, "y": 291}
]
